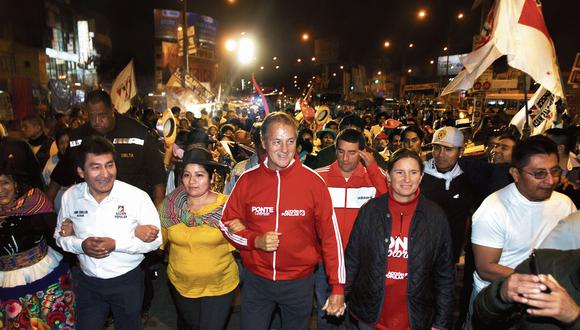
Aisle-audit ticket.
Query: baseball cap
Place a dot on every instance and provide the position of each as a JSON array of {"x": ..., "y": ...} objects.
[
  {"x": 391, "y": 123},
  {"x": 448, "y": 136}
]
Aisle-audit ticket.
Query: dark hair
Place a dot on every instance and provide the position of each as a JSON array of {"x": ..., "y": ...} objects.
[
  {"x": 255, "y": 134},
  {"x": 97, "y": 96},
  {"x": 198, "y": 136},
  {"x": 510, "y": 133},
  {"x": 93, "y": 144},
  {"x": 351, "y": 135},
  {"x": 351, "y": 120},
  {"x": 34, "y": 120},
  {"x": 224, "y": 128},
  {"x": 563, "y": 137},
  {"x": 61, "y": 130},
  {"x": 175, "y": 110},
  {"x": 415, "y": 129},
  {"x": 535, "y": 145},
  {"x": 305, "y": 131},
  {"x": 395, "y": 132},
  {"x": 276, "y": 117},
  {"x": 404, "y": 153}
]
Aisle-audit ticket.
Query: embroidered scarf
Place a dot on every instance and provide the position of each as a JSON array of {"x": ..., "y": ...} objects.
[
  {"x": 448, "y": 176},
  {"x": 32, "y": 202},
  {"x": 174, "y": 210}
]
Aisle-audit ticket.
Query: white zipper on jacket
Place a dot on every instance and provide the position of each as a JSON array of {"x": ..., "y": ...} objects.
[{"x": 277, "y": 219}]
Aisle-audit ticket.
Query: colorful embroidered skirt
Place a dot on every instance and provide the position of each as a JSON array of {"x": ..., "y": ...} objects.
[{"x": 47, "y": 303}]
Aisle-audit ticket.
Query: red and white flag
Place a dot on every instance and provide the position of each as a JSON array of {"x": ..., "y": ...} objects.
[
  {"x": 515, "y": 28},
  {"x": 542, "y": 110},
  {"x": 124, "y": 88}
]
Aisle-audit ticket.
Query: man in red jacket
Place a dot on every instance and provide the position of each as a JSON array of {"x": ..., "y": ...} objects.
[
  {"x": 289, "y": 227},
  {"x": 352, "y": 179}
]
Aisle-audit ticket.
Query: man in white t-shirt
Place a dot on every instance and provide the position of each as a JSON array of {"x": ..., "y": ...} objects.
[{"x": 513, "y": 221}]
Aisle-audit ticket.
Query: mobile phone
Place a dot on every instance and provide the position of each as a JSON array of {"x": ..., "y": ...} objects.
[{"x": 535, "y": 266}]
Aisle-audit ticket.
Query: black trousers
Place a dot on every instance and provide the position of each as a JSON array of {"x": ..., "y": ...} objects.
[
  {"x": 123, "y": 295},
  {"x": 205, "y": 313},
  {"x": 260, "y": 297}
]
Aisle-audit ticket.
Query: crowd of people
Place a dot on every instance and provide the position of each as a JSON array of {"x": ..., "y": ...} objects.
[{"x": 361, "y": 217}]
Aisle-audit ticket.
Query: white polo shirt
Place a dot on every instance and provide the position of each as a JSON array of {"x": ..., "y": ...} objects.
[
  {"x": 116, "y": 217},
  {"x": 507, "y": 220}
]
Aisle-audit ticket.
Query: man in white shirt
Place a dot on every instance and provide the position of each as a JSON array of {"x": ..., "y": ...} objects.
[
  {"x": 114, "y": 224},
  {"x": 513, "y": 221}
]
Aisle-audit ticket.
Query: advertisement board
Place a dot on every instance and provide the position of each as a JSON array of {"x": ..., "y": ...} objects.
[{"x": 449, "y": 65}]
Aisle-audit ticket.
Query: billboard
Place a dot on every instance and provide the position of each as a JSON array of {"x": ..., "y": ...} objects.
[
  {"x": 167, "y": 22},
  {"x": 449, "y": 65}
]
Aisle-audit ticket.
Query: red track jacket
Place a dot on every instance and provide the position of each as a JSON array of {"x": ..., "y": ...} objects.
[
  {"x": 349, "y": 196},
  {"x": 295, "y": 202}
]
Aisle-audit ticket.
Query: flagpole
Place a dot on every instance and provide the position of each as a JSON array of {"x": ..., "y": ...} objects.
[{"x": 526, "y": 129}]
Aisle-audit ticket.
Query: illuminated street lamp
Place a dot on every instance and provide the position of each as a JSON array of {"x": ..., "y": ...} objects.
[
  {"x": 246, "y": 50},
  {"x": 409, "y": 71},
  {"x": 277, "y": 67},
  {"x": 460, "y": 16},
  {"x": 411, "y": 45},
  {"x": 231, "y": 45},
  {"x": 342, "y": 67},
  {"x": 445, "y": 48},
  {"x": 379, "y": 73},
  {"x": 334, "y": 74},
  {"x": 305, "y": 36},
  {"x": 422, "y": 14},
  {"x": 295, "y": 77},
  {"x": 274, "y": 58},
  {"x": 313, "y": 59},
  {"x": 387, "y": 44},
  {"x": 299, "y": 60},
  {"x": 262, "y": 67},
  {"x": 431, "y": 62}
]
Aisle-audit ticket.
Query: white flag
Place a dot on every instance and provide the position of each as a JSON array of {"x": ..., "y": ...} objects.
[
  {"x": 515, "y": 28},
  {"x": 124, "y": 88},
  {"x": 542, "y": 110}
]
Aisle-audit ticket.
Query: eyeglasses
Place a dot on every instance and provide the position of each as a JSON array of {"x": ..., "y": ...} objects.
[{"x": 555, "y": 172}]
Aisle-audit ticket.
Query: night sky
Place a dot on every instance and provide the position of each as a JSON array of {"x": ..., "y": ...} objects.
[{"x": 361, "y": 26}]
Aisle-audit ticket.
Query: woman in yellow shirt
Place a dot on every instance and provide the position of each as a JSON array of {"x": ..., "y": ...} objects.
[{"x": 202, "y": 271}]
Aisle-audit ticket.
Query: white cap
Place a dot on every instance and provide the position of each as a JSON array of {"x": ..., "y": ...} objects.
[{"x": 449, "y": 136}]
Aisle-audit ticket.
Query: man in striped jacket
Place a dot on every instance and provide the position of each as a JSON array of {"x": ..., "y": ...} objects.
[{"x": 289, "y": 226}]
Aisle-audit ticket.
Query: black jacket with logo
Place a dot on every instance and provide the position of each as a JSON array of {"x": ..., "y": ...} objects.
[
  {"x": 138, "y": 156},
  {"x": 431, "y": 270}
]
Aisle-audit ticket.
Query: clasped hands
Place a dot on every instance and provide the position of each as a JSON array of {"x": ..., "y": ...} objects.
[
  {"x": 532, "y": 290},
  {"x": 101, "y": 247}
]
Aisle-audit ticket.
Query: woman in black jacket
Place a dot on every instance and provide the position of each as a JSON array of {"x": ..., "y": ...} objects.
[{"x": 399, "y": 263}]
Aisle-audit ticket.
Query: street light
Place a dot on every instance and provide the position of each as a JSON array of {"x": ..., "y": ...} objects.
[
  {"x": 379, "y": 73},
  {"x": 231, "y": 45},
  {"x": 387, "y": 44},
  {"x": 299, "y": 60},
  {"x": 274, "y": 58},
  {"x": 445, "y": 48},
  {"x": 246, "y": 50},
  {"x": 277, "y": 67},
  {"x": 342, "y": 67},
  {"x": 313, "y": 59},
  {"x": 431, "y": 62},
  {"x": 295, "y": 77},
  {"x": 305, "y": 36},
  {"x": 460, "y": 16},
  {"x": 411, "y": 45},
  {"x": 409, "y": 71},
  {"x": 422, "y": 14}
]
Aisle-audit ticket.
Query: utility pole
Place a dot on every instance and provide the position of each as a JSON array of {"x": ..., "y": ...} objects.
[{"x": 185, "y": 41}]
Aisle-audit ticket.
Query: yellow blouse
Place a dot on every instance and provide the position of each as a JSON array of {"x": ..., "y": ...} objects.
[{"x": 201, "y": 263}]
